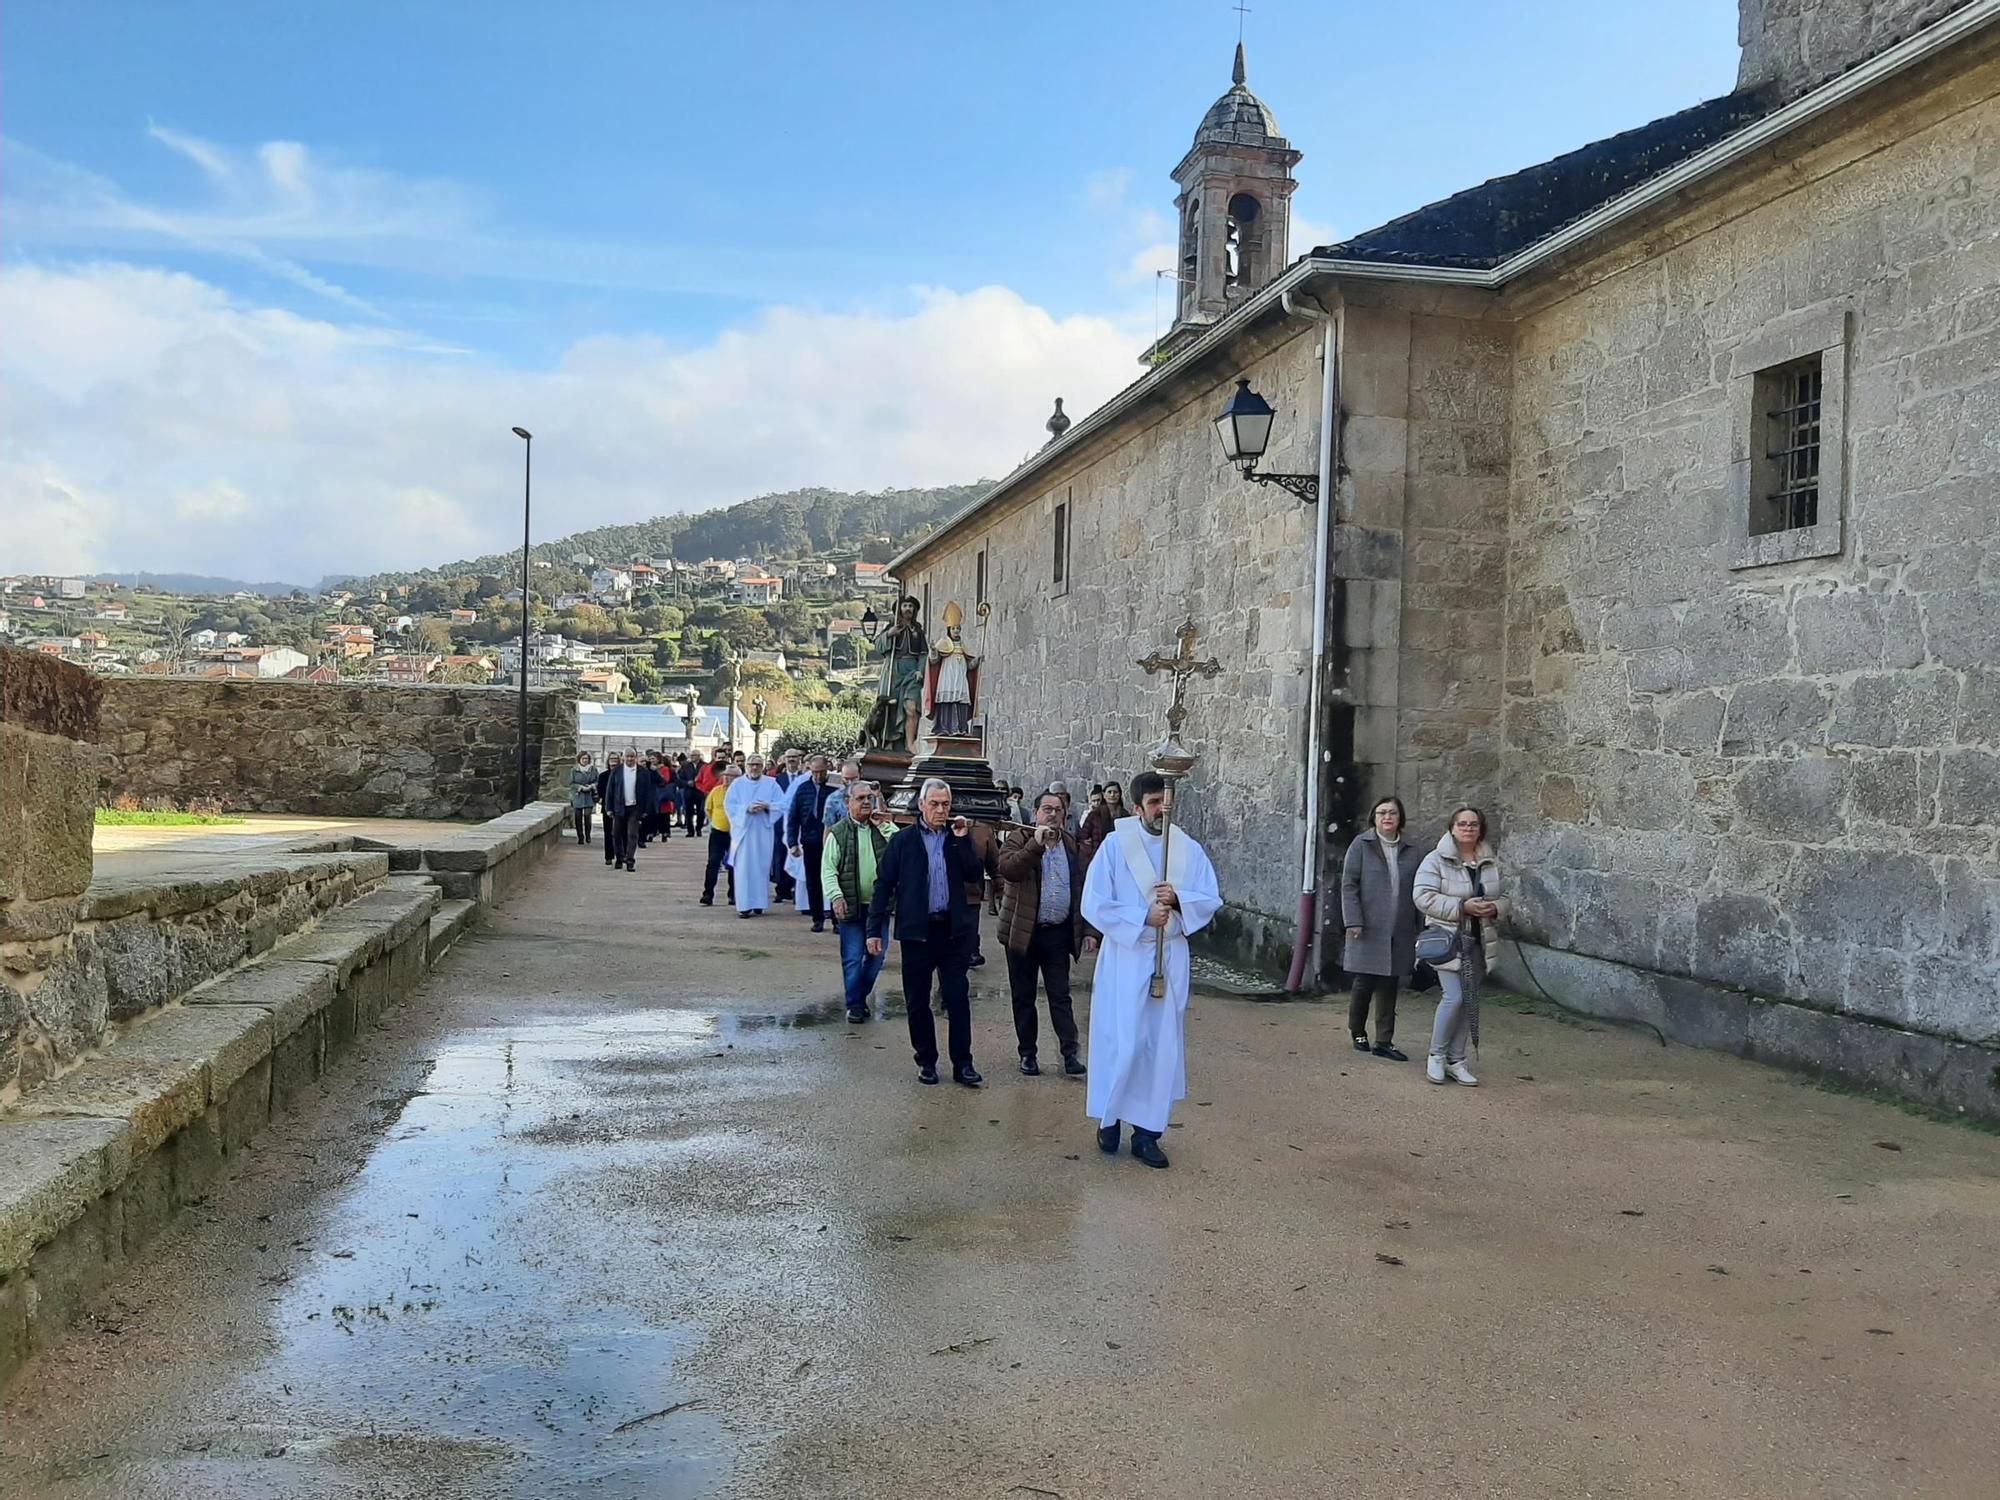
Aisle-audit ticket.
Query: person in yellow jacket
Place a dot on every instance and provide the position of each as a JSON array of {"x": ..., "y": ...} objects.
[{"x": 718, "y": 836}]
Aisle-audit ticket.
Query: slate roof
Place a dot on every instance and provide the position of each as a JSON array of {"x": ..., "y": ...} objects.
[{"x": 1484, "y": 226}]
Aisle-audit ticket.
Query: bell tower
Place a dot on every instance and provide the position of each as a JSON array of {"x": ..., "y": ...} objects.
[{"x": 1234, "y": 208}]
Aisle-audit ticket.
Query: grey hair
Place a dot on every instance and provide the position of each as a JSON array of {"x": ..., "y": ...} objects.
[
  {"x": 934, "y": 783},
  {"x": 864, "y": 788}
]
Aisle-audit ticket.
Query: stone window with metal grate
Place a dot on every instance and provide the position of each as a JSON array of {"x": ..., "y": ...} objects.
[
  {"x": 1786, "y": 480},
  {"x": 1788, "y": 395}
]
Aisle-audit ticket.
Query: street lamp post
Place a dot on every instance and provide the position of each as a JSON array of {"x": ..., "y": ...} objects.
[{"x": 522, "y": 788}]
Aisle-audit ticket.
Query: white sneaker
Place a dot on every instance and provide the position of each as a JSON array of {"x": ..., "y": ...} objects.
[
  {"x": 1460, "y": 1073},
  {"x": 1434, "y": 1069}
]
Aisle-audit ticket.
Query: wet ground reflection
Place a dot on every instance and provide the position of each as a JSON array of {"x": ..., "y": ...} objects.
[{"x": 452, "y": 1294}]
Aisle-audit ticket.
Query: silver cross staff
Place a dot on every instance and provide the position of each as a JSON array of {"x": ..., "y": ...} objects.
[{"x": 1173, "y": 760}]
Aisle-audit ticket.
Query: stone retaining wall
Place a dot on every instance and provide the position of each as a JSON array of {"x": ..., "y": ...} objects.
[
  {"x": 137, "y": 941},
  {"x": 371, "y": 750},
  {"x": 48, "y": 790},
  {"x": 92, "y": 1164}
]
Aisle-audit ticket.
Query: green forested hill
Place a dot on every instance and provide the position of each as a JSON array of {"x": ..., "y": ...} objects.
[{"x": 797, "y": 523}]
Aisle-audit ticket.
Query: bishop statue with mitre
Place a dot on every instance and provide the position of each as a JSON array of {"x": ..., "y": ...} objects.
[{"x": 953, "y": 676}]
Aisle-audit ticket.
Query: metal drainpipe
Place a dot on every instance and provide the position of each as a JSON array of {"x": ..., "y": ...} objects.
[{"x": 1329, "y": 409}]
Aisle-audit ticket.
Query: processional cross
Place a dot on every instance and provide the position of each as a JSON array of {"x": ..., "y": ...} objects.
[
  {"x": 1173, "y": 760},
  {"x": 1180, "y": 666}
]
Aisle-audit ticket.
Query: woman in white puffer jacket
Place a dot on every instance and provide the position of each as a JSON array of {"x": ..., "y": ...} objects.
[{"x": 1458, "y": 888}]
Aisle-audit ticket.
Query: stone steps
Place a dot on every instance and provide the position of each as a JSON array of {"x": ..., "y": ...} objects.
[
  {"x": 94, "y": 1160},
  {"x": 150, "y": 929}
]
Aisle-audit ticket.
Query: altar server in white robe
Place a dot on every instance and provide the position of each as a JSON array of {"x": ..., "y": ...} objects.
[
  {"x": 1137, "y": 1056},
  {"x": 754, "y": 805}
]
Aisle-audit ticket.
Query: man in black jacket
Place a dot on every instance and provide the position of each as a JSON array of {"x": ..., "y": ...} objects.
[
  {"x": 631, "y": 796},
  {"x": 923, "y": 880}
]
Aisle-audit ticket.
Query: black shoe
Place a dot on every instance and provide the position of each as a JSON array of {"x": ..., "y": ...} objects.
[
  {"x": 706, "y": 901},
  {"x": 927, "y": 1073},
  {"x": 1029, "y": 1066},
  {"x": 967, "y": 1075},
  {"x": 1391, "y": 1051},
  {"x": 978, "y": 961},
  {"x": 819, "y": 927},
  {"x": 1360, "y": 1044},
  {"x": 1146, "y": 1148},
  {"x": 1073, "y": 1065},
  {"x": 1107, "y": 1138},
  {"x": 857, "y": 1013},
  {"x": 744, "y": 916}
]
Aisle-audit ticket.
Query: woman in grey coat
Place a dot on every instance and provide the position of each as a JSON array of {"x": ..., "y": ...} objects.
[
  {"x": 1381, "y": 922},
  {"x": 582, "y": 795}
]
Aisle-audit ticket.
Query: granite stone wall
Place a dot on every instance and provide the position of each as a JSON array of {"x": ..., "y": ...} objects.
[
  {"x": 1163, "y": 530},
  {"x": 1421, "y": 543},
  {"x": 365, "y": 750},
  {"x": 48, "y": 791},
  {"x": 1781, "y": 779}
]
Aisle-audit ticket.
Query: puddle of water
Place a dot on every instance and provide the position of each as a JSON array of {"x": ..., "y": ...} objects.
[
  {"x": 821, "y": 1014},
  {"x": 453, "y": 1297}
]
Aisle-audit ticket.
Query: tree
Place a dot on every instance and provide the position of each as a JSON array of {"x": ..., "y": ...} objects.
[
  {"x": 831, "y": 732},
  {"x": 173, "y": 635},
  {"x": 757, "y": 680},
  {"x": 432, "y": 635},
  {"x": 792, "y": 619},
  {"x": 747, "y": 630},
  {"x": 666, "y": 652},
  {"x": 850, "y": 650},
  {"x": 713, "y": 650},
  {"x": 645, "y": 679}
]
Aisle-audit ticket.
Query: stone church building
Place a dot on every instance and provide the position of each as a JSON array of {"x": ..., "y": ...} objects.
[{"x": 1659, "y": 515}]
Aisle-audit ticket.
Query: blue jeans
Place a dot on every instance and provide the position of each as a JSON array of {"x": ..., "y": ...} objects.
[{"x": 858, "y": 968}]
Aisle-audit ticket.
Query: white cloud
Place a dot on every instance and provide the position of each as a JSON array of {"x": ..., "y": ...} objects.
[
  {"x": 1147, "y": 264},
  {"x": 154, "y": 422},
  {"x": 1310, "y": 234}
]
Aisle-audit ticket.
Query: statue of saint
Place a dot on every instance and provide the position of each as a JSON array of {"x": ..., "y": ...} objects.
[
  {"x": 892, "y": 723},
  {"x": 949, "y": 684}
]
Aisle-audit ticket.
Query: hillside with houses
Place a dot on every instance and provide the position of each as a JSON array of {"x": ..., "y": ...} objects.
[{"x": 777, "y": 625}]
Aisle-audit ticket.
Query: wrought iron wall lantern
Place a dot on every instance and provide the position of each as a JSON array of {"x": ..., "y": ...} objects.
[{"x": 1245, "y": 430}]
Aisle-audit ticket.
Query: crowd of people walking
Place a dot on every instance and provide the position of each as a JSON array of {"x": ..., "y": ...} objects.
[{"x": 1064, "y": 882}]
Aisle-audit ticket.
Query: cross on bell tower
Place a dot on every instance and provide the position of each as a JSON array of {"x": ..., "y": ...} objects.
[{"x": 1234, "y": 207}]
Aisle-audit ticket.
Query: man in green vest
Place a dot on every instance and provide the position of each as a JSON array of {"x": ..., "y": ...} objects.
[{"x": 854, "y": 849}]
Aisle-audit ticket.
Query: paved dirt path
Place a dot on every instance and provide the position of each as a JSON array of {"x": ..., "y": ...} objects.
[{"x": 620, "y": 1206}]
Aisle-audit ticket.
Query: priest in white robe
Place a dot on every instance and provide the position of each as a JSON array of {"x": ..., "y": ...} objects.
[
  {"x": 1137, "y": 1055},
  {"x": 754, "y": 805}
]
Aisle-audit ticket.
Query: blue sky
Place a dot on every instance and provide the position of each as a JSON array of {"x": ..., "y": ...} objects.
[{"x": 867, "y": 240}]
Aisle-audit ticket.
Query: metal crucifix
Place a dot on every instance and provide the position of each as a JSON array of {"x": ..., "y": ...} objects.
[
  {"x": 1173, "y": 760},
  {"x": 1180, "y": 666}
]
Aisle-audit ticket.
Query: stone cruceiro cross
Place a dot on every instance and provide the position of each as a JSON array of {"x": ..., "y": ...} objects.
[{"x": 1172, "y": 759}]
